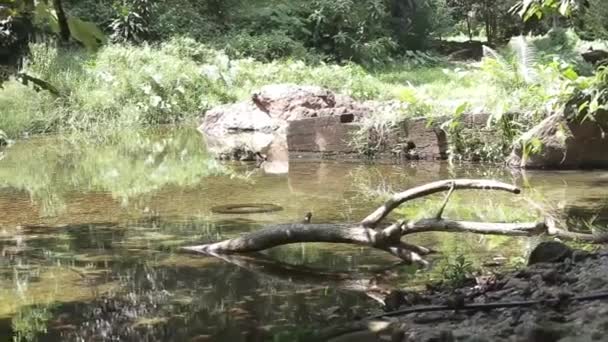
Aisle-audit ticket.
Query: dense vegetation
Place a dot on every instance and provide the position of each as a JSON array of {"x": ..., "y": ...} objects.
[{"x": 93, "y": 66}]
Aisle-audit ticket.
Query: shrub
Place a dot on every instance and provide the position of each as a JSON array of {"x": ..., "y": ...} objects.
[
  {"x": 264, "y": 46},
  {"x": 120, "y": 85},
  {"x": 128, "y": 86},
  {"x": 592, "y": 24},
  {"x": 184, "y": 18}
]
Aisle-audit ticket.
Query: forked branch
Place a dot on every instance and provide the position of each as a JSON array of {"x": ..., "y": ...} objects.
[
  {"x": 389, "y": 238},
  {"x": 396, "y": 200}
]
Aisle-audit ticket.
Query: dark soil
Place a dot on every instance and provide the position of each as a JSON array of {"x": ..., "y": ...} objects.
[{"x": 558, "y": 316}]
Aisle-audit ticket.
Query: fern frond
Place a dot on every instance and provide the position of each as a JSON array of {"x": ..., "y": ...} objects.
[
  {"x": 488, "y": 52},
  {"x": 526, "y": 59}
]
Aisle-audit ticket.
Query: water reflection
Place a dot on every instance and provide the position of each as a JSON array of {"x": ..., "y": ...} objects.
[
  {"x": 113, "y": 283},
  {"x": 49, "y": 175},
  {"x": 89, "y": 235}
]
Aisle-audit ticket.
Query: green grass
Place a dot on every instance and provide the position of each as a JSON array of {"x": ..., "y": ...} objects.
[{"x": 123, "y": 86}]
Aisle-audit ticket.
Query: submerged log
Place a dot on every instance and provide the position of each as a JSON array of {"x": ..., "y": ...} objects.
[{"x": 370, "y": 231}]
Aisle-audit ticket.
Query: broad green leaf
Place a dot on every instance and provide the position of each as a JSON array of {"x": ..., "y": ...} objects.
[
  {"x": 583, "y": 106},
  {"x": 460, "y": 109},
  {"x": 570, "y": 74},
  {"x": 87, "y": 33}
]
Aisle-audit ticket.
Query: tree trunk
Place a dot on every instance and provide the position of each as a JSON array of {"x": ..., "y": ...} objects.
[
  {"x": 64, "y": 28},
  {"x": 487, "y": 16}
]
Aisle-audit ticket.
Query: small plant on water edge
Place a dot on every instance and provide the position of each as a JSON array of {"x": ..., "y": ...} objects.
[
  {"x": 530, "y": 147},
  {"x": 471, "y": 144},
  {"x": 457, "y": 271}
]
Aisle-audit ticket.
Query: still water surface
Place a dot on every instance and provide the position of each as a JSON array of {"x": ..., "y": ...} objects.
[{"x": 90, "y": 231}]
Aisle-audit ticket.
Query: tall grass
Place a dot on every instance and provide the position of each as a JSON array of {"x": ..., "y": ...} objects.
[{"x": 123, "y": 86}]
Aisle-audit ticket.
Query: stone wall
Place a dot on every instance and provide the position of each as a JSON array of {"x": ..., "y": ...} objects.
[
  {"x": 322, "y": 137},
  {"x": 286, "y": 121},
  {"x": 333, "y": 137}
]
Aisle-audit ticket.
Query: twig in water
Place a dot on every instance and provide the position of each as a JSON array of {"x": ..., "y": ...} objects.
[{"x": 485, "y": 306}]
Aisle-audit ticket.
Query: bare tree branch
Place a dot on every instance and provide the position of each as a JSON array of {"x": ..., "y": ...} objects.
[
  {"x": 389, "y": 238},
  {"x": 445, "y": 202},
  {"x": 485, "y": 306},
  {"x": 374, "y": 218},
  {"x": 441, "y": 225}
]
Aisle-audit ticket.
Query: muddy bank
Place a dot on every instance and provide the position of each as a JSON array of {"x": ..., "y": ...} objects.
[{"x": 558, "y": 316}]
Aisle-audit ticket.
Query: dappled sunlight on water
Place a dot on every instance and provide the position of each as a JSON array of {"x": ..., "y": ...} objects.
[{"x": 90, "y": 231}]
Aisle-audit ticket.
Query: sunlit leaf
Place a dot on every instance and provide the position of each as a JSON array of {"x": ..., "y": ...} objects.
[
  {"x": 461, "y": 109},
  {"x": 87, "y": 33},
  {"x": 570, "y": 74},
  {"x": 565, "y": 8}
]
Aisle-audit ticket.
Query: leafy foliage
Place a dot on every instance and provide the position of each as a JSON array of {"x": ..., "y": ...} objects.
[
  {"x": 132, "y": 22},
  {"x": 586, "y": 98},
  {"x": 457, "y": 271},
  {"x": 540, "y": 8},
  {"x": 47, "y": 17},
  {"x": 592, "y": 23}
]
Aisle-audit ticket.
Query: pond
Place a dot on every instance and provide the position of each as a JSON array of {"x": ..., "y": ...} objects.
[{"x": 90, "y": 232}]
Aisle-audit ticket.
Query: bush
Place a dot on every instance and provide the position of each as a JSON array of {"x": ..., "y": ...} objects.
[
  {"x": 264, "y": 46},
  {"x": 25, "y": 110},
  {"x": 127, "y": 86},
  {"x": 120, "y": 85},
  {"x": 185, "y": 18},
  {"x": 592, "y": 24}
]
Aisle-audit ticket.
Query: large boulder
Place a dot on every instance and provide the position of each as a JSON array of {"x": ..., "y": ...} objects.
[
  {"x": 237, "y": 131},
  {"x": 295, "y": 102},
  {"x": 596, "y": 57},
  {"x": 242, "y": 130},
  {"x": 562, "y": 144}
]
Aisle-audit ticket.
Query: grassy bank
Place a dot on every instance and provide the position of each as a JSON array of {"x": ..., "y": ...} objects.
[{"x": 124, "y": 86}]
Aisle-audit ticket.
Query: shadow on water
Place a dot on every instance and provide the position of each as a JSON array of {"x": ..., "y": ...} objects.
[{"x": 89, "y": 237}]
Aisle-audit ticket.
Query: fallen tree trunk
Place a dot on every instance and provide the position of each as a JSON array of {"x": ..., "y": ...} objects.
[{"x": 370, "y": 232}]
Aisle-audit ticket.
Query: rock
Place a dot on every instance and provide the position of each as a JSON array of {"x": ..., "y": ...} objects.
[
  {"x": 239, "y": 131},
  {"x": 276, "y": 155},
  {"x": 596, "y": 57},
  {"x": 465, "y": 54},
  {"x": 325, "y": 137},
  {"x": 444, "y": 336},
  {"x": 237, "y": 118},
  {"x": 549, "y": 251},
  {"x": 544, "y": 333},
  {"x": 3, "y": 139},
  {"x": 552, "y": 277},
  {"x": 295, "y": 102},
  {"x": 394, "y": 300},
  {"x": 310, "y": 121},
  {"x": 581, "y": 255},
  {"x": 563, "y": 145},
  {"x": 291, "y": 102},
  {"x": 322, "y": 135},
  {"x": 516, "y": 283},
  {"x": 469, "y": 50}
]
